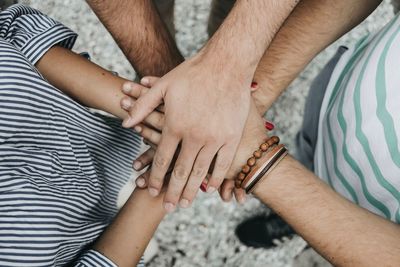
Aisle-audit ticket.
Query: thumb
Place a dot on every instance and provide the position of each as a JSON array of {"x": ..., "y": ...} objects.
[{"x": 143, "y": 107}]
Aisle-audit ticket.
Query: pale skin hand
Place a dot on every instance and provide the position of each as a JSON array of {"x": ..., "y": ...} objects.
[
  {"x": 203, "y": 129},
  {"x": 206, "y": 112},
  {"x": 254, "y": 124}
]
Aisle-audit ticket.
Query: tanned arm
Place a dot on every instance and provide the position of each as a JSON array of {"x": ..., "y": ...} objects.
[
  {"x": 125, "y": 240},
  {"x": 344, "y": 233},
  {"x": 140, "y": 33},
  {"x": 312, "y": 26}
]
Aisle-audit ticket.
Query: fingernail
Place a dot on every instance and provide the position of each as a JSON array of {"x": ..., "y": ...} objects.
[
  {"x": 153, "y": 192},
  {"x": 184, "y": 203},
  {"x": 211, "y": 190},
  {"x": 126, "y": 103},
  {"x": 169, "y": 207},
  {"x": 254, "y": 84},
  {"x": 126, "y": 88},
  {"x": 138, "y": 129},
  {"x": 203, "y": 187},
  {"x": 140, "y": 182},
  {"x": 242, "y": 200},
  {"x": 144, "y": 81},
  {"x": 269, "y": 126},
  {"x": 136, "y": 165}
]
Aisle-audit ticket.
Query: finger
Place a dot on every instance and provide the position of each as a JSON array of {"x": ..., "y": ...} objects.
[
  {"x": 196, "y": 178},
  {"x": 134, "y": 90},
  {"x": 149, "y": 81},
  {"x": 222, "y": 164},
  {"x": 127, "y": 103},
  {"x": 149, "y": 134},
  {"x": 226, "y": 190},
  {"x": 144, "y": 160},
  {"x": 240, "y": 195},
  {"x": 142, "y": 180},
  {"x": 180, "y": 174},
  {"x": 143, "y": 107},
  {"x": 162, "y": 159},
  {"x": 155, "y": 120}
]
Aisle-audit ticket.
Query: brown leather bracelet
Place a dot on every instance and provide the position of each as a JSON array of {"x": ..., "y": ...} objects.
[{"x": 272, "y": 158}]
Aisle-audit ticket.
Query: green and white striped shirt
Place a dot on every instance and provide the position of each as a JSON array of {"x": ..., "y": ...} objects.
[{"x": 358, "y": 148}]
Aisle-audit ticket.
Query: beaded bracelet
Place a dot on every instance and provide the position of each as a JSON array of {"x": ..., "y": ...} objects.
[{"x": 251, "y": 162}]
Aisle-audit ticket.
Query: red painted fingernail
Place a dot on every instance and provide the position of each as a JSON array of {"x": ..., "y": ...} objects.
[
  {"x": 254, "y": 84},
  {"x": 203, "y": 187},
  {"x": 269, "y": 126}
]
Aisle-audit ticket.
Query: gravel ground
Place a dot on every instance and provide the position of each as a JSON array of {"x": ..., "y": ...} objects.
[{"x": 204, "y": 234}]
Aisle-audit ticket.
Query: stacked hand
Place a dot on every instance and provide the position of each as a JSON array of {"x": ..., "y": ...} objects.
[
  {"x": 154, "y": 124},
  {"x": 204, "y": 117}
]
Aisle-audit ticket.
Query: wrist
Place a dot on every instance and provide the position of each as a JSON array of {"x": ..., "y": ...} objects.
[
  {"x": 226, "y": 65},
  {"x": 275, "y": 185},
  {"x": 266, "y": 94}
]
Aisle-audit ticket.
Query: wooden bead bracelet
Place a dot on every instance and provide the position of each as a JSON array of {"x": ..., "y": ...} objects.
[{"x": 251, "y": 162}]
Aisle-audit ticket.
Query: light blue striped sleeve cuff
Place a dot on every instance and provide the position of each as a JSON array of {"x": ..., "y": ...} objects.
[
  {"x": 32, "y": 32},
  {"x": 93, "y": 258}
]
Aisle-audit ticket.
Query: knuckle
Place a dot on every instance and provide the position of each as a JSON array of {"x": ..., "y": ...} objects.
[
  {"x": 196, "y": 136},
  {"x": 198, "y": 171},
  {"x": 180, "y": 173},
  {"x": 213, "y": 139},
  {"x": 232, "y": 134},
  {"x": 222, "y": 165},
  {"x": 156, "y": 179},
  {"x": 191, "y": 191},
  {"x": 160, "y": 161},
  {"x": 173, "y": 131}
]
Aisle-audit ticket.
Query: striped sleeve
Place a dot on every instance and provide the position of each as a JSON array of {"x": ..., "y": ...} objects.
[
  {"x": 32, "y": 32},
  {"x": 93, "y": 258}
]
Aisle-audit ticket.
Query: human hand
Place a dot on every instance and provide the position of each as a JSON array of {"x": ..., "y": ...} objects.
[
  {"x": 252, "y": 137},
  {"x": 205, "y": 114}
]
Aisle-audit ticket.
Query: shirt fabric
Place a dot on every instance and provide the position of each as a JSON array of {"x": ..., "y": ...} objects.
[
  {"x": 358, "y": 150},
  {"x": 61, "y": 165}
]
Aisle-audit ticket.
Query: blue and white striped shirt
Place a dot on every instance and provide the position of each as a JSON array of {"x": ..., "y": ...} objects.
[{"x": 61, "y": 166}]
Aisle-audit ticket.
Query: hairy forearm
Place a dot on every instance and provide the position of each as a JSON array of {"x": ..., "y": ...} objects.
[
  {"x": 243, "y": 37},
  {"x": 83, "y": 80},
  {"x": 140, "y": 33},
  {"x": 312, "y": 26},
  {"x": 342, "y": 232},
  {"x": 125, "y": 240}
]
